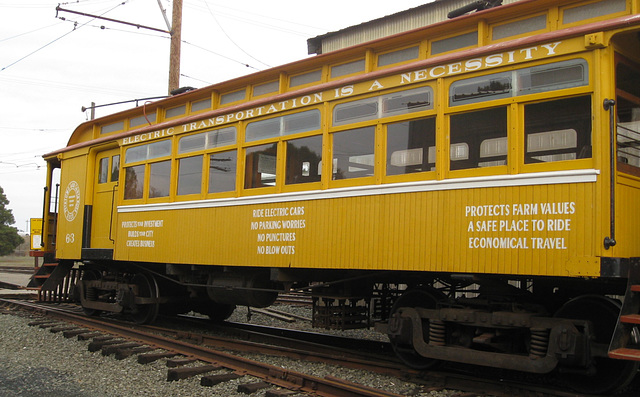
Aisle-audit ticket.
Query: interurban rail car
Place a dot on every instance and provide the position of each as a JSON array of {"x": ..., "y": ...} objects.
[{"x": 471, "y": 188}]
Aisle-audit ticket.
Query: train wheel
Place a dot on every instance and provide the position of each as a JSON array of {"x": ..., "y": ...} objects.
[
  {"x": 89, "y": 293},
  {"x": 402, "y": 346},
  {"x": 611, "y": 375},
  {"x": 147, "y": 288}
]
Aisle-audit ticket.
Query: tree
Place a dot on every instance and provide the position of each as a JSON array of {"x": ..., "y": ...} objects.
[{"x": 9, "y": 237}]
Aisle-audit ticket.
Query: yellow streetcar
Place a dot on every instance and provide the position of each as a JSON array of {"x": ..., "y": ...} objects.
[{"x": 471, "y": 188}]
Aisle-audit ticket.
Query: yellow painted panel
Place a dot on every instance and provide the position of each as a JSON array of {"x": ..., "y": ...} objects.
[
  {"x": 72, "y": 198},
  {"x": 527, "y": 230}
]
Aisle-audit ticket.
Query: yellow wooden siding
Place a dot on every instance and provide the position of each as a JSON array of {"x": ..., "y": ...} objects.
[
  {"x": 425, "y": 231},
  {"x": 72, "y": 199}
]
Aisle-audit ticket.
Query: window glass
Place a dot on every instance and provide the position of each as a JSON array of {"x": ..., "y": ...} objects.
[
  {"x": 396, "y": 103},
  {"x": 543, "y": 78},
  {"x": 454, "y": 43},
  {"x": 190, "y": 175},
  {"x": 353, "y": 153},
  {"x": 103, "y": 170},
  {"x": 221, "y": 137},
  {"x": 398, "y": 56},
  {"x": 134, "y": 182},
  {"x": 484, "y": 88},
  {"x": 201, "y": 105},
  {"x": 159, "y": 149},
  {"x": 115, "y": 168},
  {"x": 222, "y": 171},
  {"x": 628, "y": 132},
  {"x": 347, "y": 68},
  {"x": 628, "y": 112},
  {"x": 558, "y": 130},
  {"x": 352, "y": 112},
  {"x": 519, "y": 27},
  {"x": 135, "y": 154},
  {"x": 305, "y": 78},
  {"x": 266, "y": 88},
  {"x": 263, "y": 129},
  {"x": 411, "y": 146},
  {"x": 148, "y": 151},
  {"x": 554, "y": 76},
  {"x": 304, "y": 157},
  {"x": 192, "y": 143},
  {"x": 593, "y": 10},
  {"x": 260, "y": 166},
  {"x": 283, "y": 125},
  {"x": 476, "y": 139},
  {"x": 232, "y": 97},
  {"x": 160, "y": 179},
  {"x": 404, "y": 102},
  {"x": 118, "y": 126},
  {"x": 177, "y": 111},
  {"x": 140, "y": 120},
  {"x": 301, "y": 122}
]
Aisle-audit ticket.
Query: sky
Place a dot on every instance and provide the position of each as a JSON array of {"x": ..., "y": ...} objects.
[{"x": 52, "y": 64}]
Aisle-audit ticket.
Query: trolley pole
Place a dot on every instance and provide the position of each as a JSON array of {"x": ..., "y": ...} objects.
[{"x": 176, "y": 38}]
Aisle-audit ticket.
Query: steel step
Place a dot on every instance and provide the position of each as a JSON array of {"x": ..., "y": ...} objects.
[{"x": 625, "y": 354}]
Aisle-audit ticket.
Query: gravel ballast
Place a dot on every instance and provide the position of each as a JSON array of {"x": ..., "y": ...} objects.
[{"x": 37, "y": 362}]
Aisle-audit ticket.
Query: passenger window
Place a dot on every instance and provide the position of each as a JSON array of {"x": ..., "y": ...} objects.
[
  {"x": 222, "y": 171},
  {"x": 353, "y": 153},
  {"x": 260, "y": 166},
  {"x": 160, "y": 179},
  {"x": 411, "y": 146},
  {"x": 478, "y": 139},
  {"x": 393, "y": 104},
  {"x": 284, "y": 125},
  {"x": 628, "y": 132},
  {"x": 628, "y": 112},
  {"x": 134, "y": 182},
  {"x": 103, "y": 170},
  {"x": 478, "y": 89},
  {"x": 190, "y": 175},
  {"x": 304, "y": 157},
  {"x": 542, "y": 78},
  {"x": 558, "y": 130}
]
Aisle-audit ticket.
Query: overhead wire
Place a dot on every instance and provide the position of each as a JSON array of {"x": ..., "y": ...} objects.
[
  {"x": 75, "y": 28},
  {"x": 229, "y": 37}
]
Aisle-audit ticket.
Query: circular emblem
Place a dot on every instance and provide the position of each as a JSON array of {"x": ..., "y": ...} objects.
[{"x": 71, "y": 200}]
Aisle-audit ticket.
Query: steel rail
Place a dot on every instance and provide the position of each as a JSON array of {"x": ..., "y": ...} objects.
[
  {"x": 433, "y": 379},
  {"x": 269, "y": 373}
]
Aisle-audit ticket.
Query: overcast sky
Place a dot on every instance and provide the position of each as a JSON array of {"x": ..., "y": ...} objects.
[{"x": 50, "y": 68}]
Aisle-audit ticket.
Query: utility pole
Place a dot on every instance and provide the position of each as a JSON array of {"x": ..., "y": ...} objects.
[{"x": 176, "y": 39}]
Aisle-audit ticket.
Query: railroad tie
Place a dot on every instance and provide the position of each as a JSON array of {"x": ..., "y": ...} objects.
[
  {"x": 94, "y": 346},
  {"x": 121, "y": 354},
  {"x": 213, "y": 380},
  {"x": 111, "y": 349},
  {"x": 188, "y": 372},
  {"x": 75, "y": 332}
]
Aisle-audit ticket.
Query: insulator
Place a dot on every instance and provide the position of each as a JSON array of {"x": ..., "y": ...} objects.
[
  {"x": 539, "y": 342},
  {"x": 437, "y": 333}
]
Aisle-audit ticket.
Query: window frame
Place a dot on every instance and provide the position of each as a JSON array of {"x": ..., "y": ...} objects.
[{"x": 281, "y": 141}]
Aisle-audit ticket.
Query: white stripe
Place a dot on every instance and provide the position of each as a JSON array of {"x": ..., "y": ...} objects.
[{"x": 540, "y": 178}]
